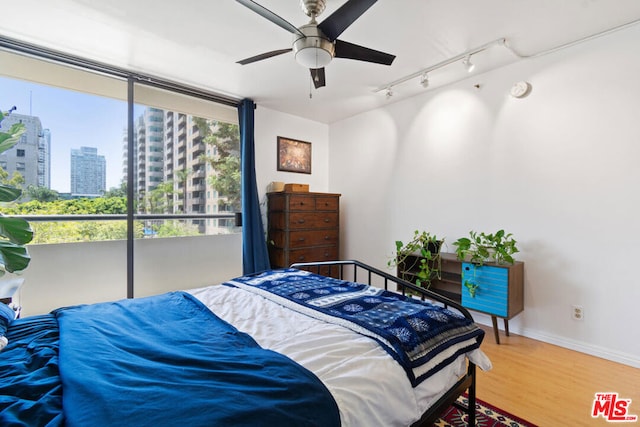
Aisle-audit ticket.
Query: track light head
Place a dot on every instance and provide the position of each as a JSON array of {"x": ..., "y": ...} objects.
[
  {"x": 389, "y": 93},
  {"x": 424, "y": 80},
  {"x": 467, "y": 63}
]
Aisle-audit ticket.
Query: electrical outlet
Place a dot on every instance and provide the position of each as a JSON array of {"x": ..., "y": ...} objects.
[{"x": 577, "y": 312}]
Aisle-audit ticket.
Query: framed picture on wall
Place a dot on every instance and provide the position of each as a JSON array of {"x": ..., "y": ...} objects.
[{"x": 294, "y": 155}]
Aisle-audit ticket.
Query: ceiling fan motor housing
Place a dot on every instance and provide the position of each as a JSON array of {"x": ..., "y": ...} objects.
[
  {"x": 312, "y": 8},
  {"x": 315, "y": 50}
]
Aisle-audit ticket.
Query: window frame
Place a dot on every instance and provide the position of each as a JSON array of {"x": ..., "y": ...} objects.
[{"x": 139, "y": 87}]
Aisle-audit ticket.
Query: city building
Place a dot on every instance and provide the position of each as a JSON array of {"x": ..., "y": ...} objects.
[
  {"x": 88, "y": 172},
  {"x": 31, "y": 156},
  {"x": 169, "y": 149}
]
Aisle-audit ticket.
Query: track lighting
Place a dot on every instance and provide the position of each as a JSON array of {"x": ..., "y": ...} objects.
[
  {"x": 464, "y": 56},
  {"x": 389, "y": 93},
  {"x": 467, "y": 63},
  {"x": 424, "y": 80}
]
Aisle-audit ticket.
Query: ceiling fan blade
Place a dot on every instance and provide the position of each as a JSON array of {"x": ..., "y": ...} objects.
[
  {"x": 339, "y": 20},
  {"x": 317, "y": 75},
  {"x": 353, "y": 51},
  {"x": 263, "y": 56},
  {"x": 266, "y": 13}
]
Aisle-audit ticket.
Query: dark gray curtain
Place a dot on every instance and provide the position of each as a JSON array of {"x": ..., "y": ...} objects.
[{"x": 254, "y": 246}]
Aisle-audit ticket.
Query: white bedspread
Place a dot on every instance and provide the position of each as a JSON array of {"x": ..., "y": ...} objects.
[{"x": 370, "y": 388}]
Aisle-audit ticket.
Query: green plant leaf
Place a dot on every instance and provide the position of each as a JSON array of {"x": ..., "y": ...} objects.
[
  {"x": 9, "y": 193},
  {"x": 17, "y": 230},
  {"x": 13, "y": 257},
  {"x": 508, "y": 258},
  {"x": 11, "y": 138}
]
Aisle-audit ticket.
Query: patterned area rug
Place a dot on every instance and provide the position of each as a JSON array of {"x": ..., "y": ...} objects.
[{"x": 486, "y": 416}]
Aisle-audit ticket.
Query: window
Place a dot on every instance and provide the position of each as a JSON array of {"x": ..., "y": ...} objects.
[
  {"x": 92, "y": 116},
  {"x": 68, "y": 151}
]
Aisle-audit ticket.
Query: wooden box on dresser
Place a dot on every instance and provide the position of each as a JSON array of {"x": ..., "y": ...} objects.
[{"x": 303, "y": 227}]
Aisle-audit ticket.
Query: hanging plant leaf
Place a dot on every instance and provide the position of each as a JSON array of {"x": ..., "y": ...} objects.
[
  {"x": 472, "y": 287},
  {"x": 8, "y": 193},
  {"x": 11, "y": 138},
  {"x": 13, "y": 257},
  {"x": 17, "y": 230}
]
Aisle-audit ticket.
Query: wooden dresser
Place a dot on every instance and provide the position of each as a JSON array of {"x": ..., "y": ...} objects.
[{"x": 303, "y": 227}]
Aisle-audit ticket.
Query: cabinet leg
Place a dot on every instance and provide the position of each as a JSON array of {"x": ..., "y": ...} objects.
[
  {"x": 494, "y": 320},
  {"x": 506, "y": 327}
]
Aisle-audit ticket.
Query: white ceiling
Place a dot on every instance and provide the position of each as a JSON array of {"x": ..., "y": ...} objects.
[{"x": 197, "y": 42}]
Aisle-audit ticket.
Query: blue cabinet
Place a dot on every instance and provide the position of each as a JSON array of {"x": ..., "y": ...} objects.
[
  {"x": 494, "y": 289},
  {"x": 488, "y": 289},
  {"x": 499, "y": 292}
]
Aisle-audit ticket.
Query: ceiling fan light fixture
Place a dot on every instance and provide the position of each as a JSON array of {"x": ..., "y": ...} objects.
[
  {"x": 313, "y": 57},
  {"x": 314, "y": 50},
  {"x": 468, "y": 65}
]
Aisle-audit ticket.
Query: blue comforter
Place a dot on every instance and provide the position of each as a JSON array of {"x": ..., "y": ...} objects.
[{"x": 167, "y": 360}]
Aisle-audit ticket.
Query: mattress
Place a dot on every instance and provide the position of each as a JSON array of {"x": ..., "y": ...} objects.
[{"x": 368, "y": 385}]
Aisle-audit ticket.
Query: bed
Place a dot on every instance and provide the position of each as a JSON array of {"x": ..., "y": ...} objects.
[{"x": 286, "y": 347}]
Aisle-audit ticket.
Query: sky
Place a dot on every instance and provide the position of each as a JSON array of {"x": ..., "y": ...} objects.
[{"x": 75, "y": 120}]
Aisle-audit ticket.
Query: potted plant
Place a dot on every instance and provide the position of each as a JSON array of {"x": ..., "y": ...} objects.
[
  {"x": 482, "y": 247},
  {"x": 15, "y": 233},
  {"x": 418, "y": 259}
]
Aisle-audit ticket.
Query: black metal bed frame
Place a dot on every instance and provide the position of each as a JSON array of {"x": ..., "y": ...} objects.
[{"x": 348, "y": 270}]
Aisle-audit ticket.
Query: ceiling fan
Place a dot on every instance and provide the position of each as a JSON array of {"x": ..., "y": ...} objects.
[{"x": 315, "y": 45}]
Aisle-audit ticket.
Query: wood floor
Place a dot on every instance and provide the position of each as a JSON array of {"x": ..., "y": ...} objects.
[{"x": 550, "y": 385}]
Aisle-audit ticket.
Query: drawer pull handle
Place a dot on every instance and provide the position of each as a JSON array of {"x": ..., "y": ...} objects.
[
  {"x": 301, "y": 239},
  {"x": 301, "y": 258},
  {"x": 301, "y": 221},
  {"x": 327, "y": 220},
  {"x": 326, "y": 237}
]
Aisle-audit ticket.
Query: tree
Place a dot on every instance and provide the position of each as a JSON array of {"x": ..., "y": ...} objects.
[
  {"x": 225, "y": 139},
  {"x": 117, "y": 192},
  {"x": 42, "y": 194},
  {"x": 157, "y": 200}
]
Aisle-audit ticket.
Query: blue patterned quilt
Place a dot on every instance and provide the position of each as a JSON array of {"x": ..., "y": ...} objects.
[{"x": 421, "y": 336}]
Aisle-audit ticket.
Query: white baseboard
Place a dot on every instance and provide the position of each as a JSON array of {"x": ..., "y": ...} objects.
[{"x": 582, "y": 347}]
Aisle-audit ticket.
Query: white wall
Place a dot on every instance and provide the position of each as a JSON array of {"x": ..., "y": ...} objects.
[
  {"x": 269, "y": 125},
  {"x": 559, "y": 169}
]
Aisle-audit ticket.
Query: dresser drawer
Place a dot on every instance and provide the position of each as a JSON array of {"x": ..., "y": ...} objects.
[
  {"x": 281, "y": 258},
  {"x": 301, "y": 220},
  {"x": 328, "y": 253},
  {"x": 492, "y": 294},
  {"x": 301, "y": 203},
  {"x": 326, "y": 203},
  {"x": 300, "y": 239},
  {"x": 293, "y": 202}
]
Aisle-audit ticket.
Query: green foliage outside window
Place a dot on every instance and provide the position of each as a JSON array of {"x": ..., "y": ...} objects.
[
  {"x": 224, "y": 138},
  {"x": 88, "y": 231}
]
